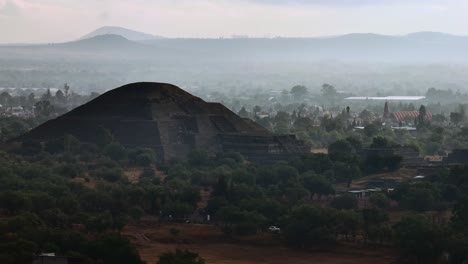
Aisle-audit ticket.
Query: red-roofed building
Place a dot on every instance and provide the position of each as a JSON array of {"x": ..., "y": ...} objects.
[{"x": 408, "y": 115}]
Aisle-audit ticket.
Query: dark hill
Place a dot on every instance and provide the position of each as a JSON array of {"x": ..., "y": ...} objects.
[
  {"x": 124, "y": 32},
  {"x": 170, "y": 120},
  {"x": 103, "y": 43}
]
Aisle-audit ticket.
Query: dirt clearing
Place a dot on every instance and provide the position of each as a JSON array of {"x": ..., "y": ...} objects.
[{"x": 206, "y": 240}]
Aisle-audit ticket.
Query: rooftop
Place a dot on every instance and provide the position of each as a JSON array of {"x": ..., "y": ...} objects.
[{"x": 388, "y": 98}]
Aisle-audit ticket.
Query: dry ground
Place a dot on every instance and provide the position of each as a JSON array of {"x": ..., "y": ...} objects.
[
  {"x": 403, "y": 174},
  {"x": 208, "y": 241}
]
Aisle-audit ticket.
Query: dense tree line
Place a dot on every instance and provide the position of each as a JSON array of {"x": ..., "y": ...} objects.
[{"x": 74, "y": 198}]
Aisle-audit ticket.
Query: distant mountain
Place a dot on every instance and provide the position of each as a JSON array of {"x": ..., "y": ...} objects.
[
  {"x": 102, "y": 41},
  {"x": 429, "y": 36},
  {"x": 362, "y": 37},
  {"x": 110, "y": 45},
  {"x": 421, "y": 46},
  {"x": 124, "y": 32},
  {"x": 415, "y": 47},
  {"x": 97, "y": 47}
]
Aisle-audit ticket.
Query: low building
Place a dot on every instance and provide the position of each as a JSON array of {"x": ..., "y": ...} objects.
[
  {"x": 364, "y": 193},
  {"x": 386, "y": 98},
  {"x": 408, "y": 116},
  {"x": 405, "y": 128}
]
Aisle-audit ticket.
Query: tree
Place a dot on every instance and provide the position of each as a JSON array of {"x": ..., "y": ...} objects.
[
  {"x": 30, "y": 100},
  {"x": 285, "y": 174},
  {"x": 13, "y": 202},
  {"x": 331, "y": 124},
  {"x": 379, "y": 200},
  {"x": 31, "y": 147},
  {"x": 282, "y": 122},
  {"x": 47, "y": 96},
  {"x": 5, "y": 99},
  {"x": 25, "y": 221},
  {"x": 366, "y": 115},
  {"x": 386, "y": 111},
  {"x": 44, "y": 108},
  {"x": 458, "y": 249},
  {"x": 71, "y": 143},
  {"x": 60, "y": 96},
  {"x": 303, "y": 123},
  {"x": 299, "y": 91},
  {"x": 19, "y": 251},
  {"x": 41, "y": 201},
  {"x": 177, "y": 209},
  {"x": 198, "y": 158},
  {"x": 422, "y": 117},
  {"x": 307, "y": 225},
  {"x": 243, "y": 113},
  {"x": 345, "y": 201},
  {"x": 371, "y": 129},
  {"x": 104, "y": 137},
  {"x": 317, "y": 184},
  {"x": 13, "y": 127},
  {"x": 115, "y": 151},
  {"x": 456, "y": 118},
  {"x": 143, "y": 157},
  {"x": 108, "y": 174},
  {"x": 380, "y": 142},
  {"x": 439, "y": 118},
  {"x": 54, "y": 146},
  {"x": 66, "y": 88},
  {"x": 374, "y": 216},
  {"x": 113, "y": 248},
  {"x": 462, "y": 112},
  {"x": 420, "y": 239},
  {"x": 346, "y": 171},
  {"x": 458, "y": 224},
  {"x": 419, "y": 199},
  {"x": 328, "y": 91},
  {"x": 301, "y": 110},
  {"x": 257, "y": 109},
  {"x": 239, "y": 221},
  {"x": 348, "y": 223},
  {"x": 100, "y": 222},
  {"x": 341, "y": 150},
  {"x": 54, "y": 217},
  {"x": 460, "y": 216},
  {"x": 180, "y": 257}
]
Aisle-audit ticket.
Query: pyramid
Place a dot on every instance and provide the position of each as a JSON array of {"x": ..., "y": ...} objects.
[{"x": 169, "y": 120}]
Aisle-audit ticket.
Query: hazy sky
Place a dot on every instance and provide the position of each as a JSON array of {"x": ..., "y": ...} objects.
[{"x": 63, "y": 20}]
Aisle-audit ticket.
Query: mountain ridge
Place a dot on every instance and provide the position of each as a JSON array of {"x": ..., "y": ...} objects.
[
  {"x": 135, "y": 35},
  {"x": 420, "y": 46},
  {"x": 129, "y": 34}
]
